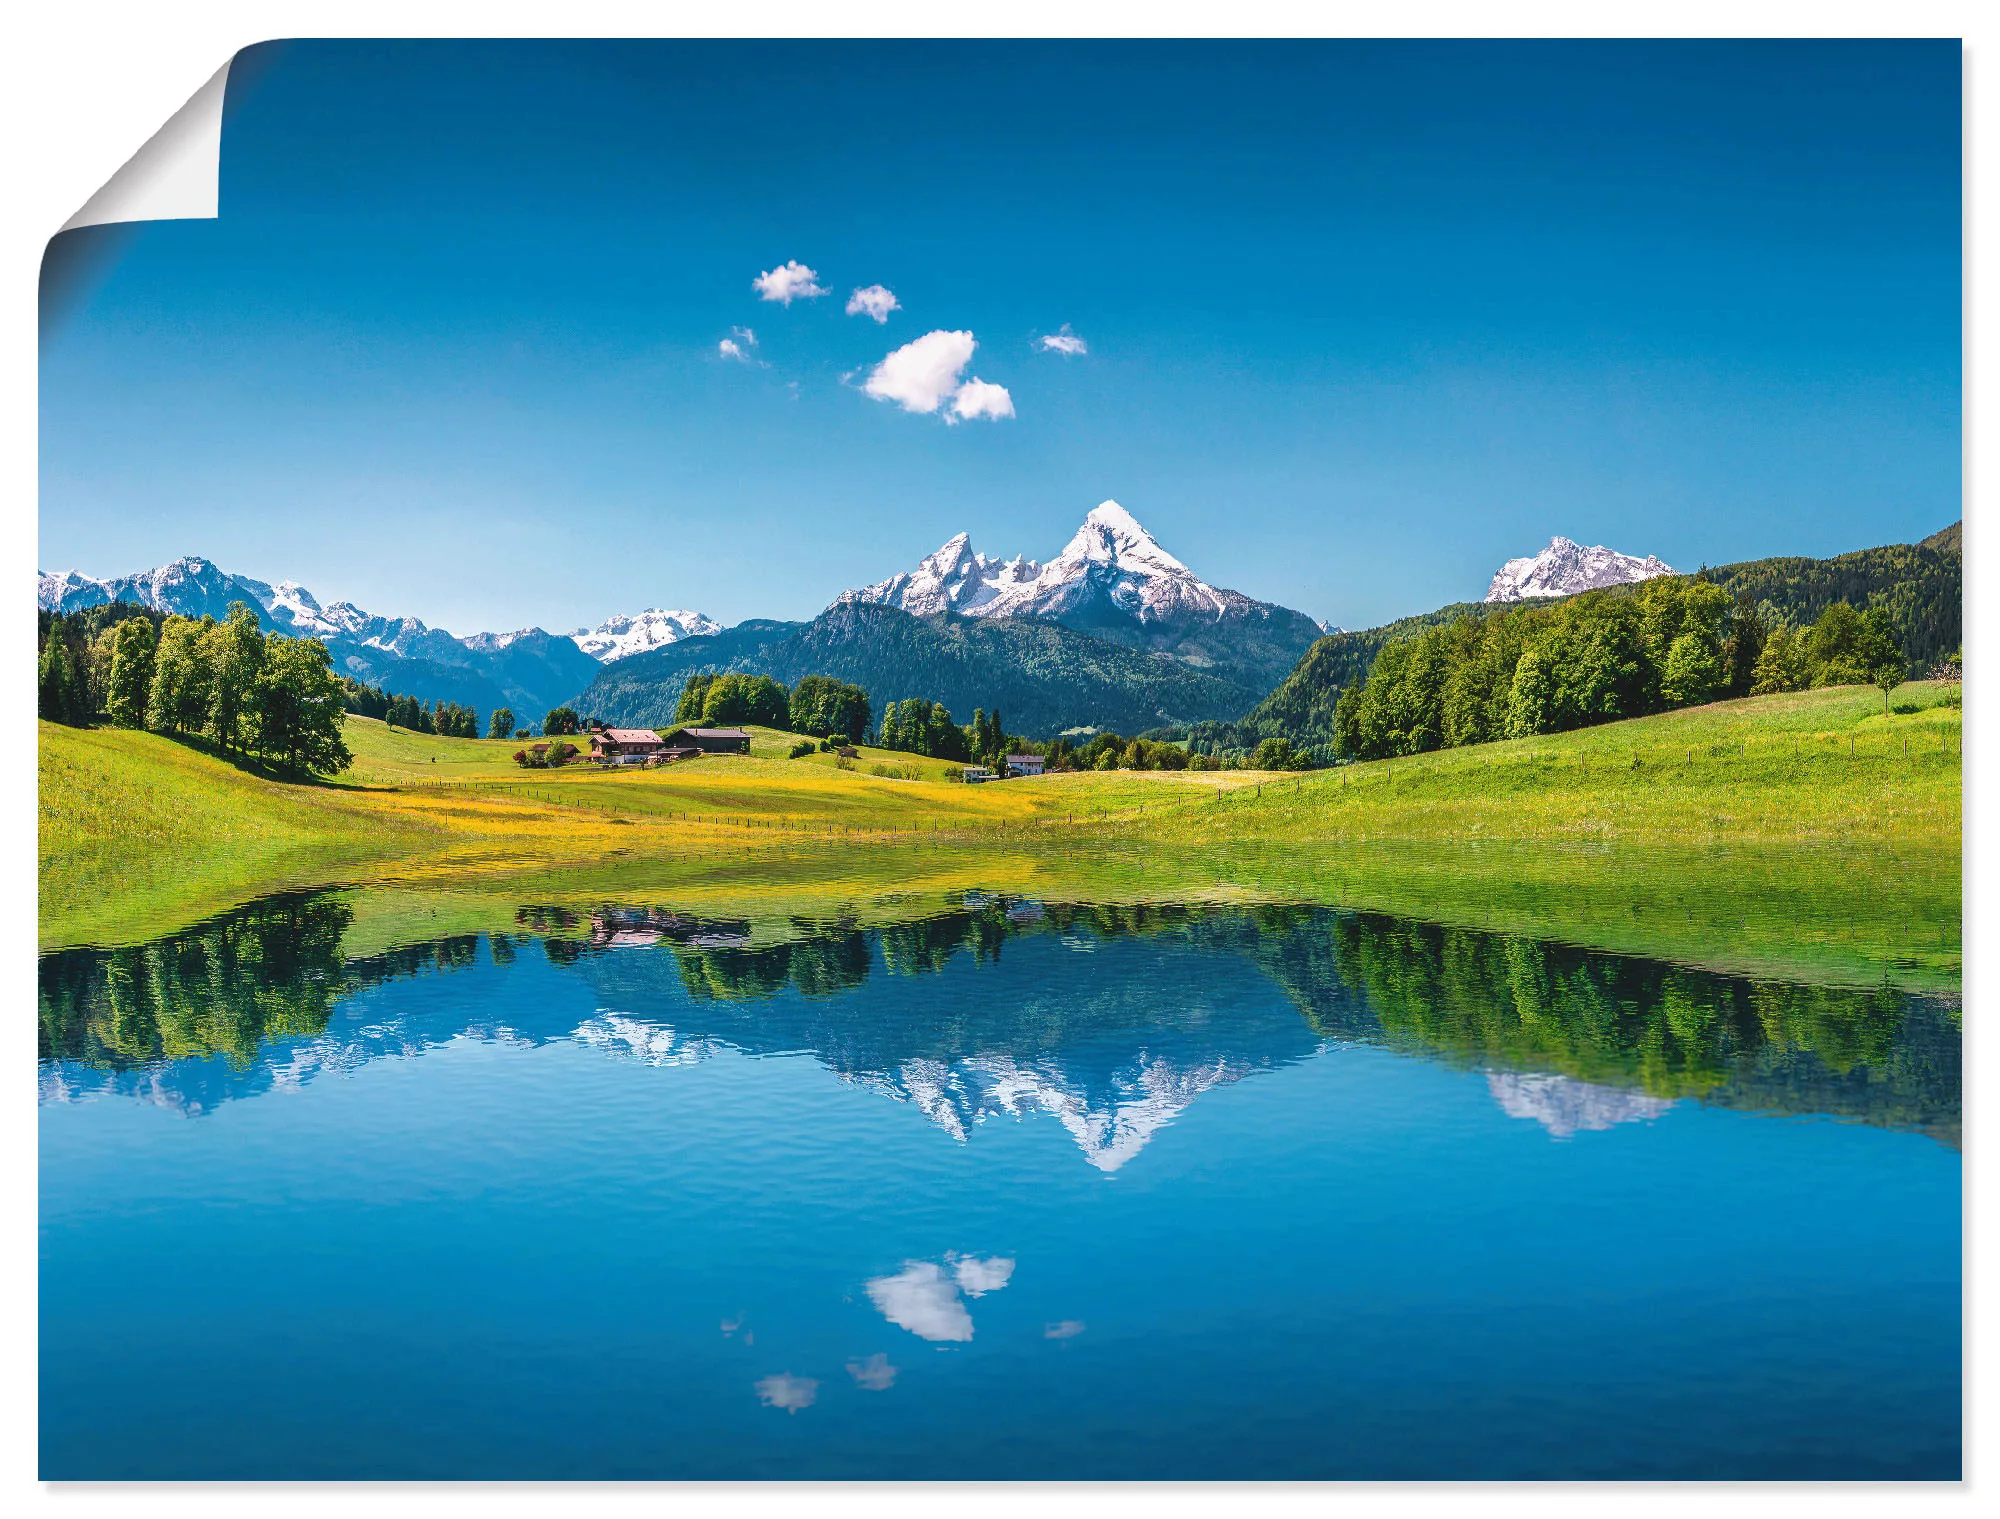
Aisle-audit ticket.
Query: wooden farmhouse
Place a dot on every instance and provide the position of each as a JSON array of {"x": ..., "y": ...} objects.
[
  {"x": 625, "y": 746},
  {"x": 711, "y": 740}
]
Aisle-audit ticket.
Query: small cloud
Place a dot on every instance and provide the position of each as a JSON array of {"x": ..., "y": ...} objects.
[
  {"x": 873, "y": 300},
  {"x": 1063, "y": 342},
  {"x": 1064, "y": 1329},
  {"x": 738, "y": 344},
  {"x": 790, "y": 281},
  {"x": 977, "y": 1277},
  {"x": 787, "y": 1392},
  {"x": 874, "y": 1374},
  {"x": 729, "y": 350},
  {"x": 976, "y": 398}
]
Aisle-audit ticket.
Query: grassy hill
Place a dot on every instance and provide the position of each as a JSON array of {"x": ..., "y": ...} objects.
[{"x": 1787, "y": 833}]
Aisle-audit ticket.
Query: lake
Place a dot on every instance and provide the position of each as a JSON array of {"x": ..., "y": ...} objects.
[{"x": 1020, "y": 1189}]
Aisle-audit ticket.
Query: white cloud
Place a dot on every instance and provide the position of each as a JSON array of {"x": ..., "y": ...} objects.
[
  {"x": 730, "y": 348},
  {"x": 1063, "y": 342},
  {"x": 1062, "y": 1329},
  {"x": 977, "y": 398},
  {"x": 874, "y": 1374},
  {"x": 976, "y": 1277},
  {"x": 790, "y": 281},
  {"x": 924, "y": 372},
  {"x": 873, "y": 300},
  {"x": 787, "y": 1392},
  {"x": 923, "y": 1300}
]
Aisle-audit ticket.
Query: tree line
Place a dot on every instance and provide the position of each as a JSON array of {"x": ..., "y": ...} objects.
[
  {"x": 450, "y": 719},
  {"x": 818, "y": 704},
  {"x": 1599, "y": 657},
  {"x": 268, "y": 696}
]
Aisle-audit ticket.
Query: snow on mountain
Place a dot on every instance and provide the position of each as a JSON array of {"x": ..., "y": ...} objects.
[
  {"x": 1109, "y": 1126},
  {"x": 1564, "y": 568},
  {"x": 195, "y": 587},
  {"x": 954, "y": 579},
  {"x": 1111, "y": 564},
  {"x": 617, "y": 637}
]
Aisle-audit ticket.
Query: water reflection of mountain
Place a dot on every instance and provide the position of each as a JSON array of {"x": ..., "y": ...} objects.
[
  {"x": 1110, "y": 1020},
  {"x": 1111, "y": 1023}
]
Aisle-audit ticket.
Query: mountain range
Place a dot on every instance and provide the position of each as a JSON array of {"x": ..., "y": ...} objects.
[
  {"x": 1112, "y": 633},
  {"x": 530, "y": 670}
]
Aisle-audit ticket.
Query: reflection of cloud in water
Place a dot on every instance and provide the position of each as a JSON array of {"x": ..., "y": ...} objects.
[
  {"x": 923, "y": 1297},
  {"x": 923, "y": 1300},
  {"x": 977, "y": 1277},
  {"x": 875, "y": 1374},
  {"x": 1563, "y": 1105},
  {"x": 1065, "y": 1329},
  {"x": 787, "y": 1392}
]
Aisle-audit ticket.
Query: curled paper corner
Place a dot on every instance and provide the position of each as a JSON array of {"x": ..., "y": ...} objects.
[{"x": 176, "y": 176}]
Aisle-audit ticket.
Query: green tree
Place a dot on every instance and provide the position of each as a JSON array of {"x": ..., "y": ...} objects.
[
  {"x": 734, "y": 699},
  {"x": 1783, "y": 664},
  {"x": 234, "y": 650},
  {"x": 298, "y": 707},
  {"x": 131, "y": 684},
  {"x": 1276, "y": 754},
  {"x": 1744, "y": 645},
  {"x": 56, "y": 688},
  {"x": 1531, "y": 697},
  {"x": 501, "y": 725},
  {"x": 181, "y": 677},
  {"x": 561, "y": 720},
  {"x": 1836, "y": 647},
  {"x": 694, "y": 693},
  {"x": 1695, "y": 672}
]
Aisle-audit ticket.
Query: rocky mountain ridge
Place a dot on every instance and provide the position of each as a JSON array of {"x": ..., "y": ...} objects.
[{"x": 1566, "y": 567}]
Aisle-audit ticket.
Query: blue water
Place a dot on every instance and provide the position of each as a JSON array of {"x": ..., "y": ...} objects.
[{"x": 1011, "y": 1194}]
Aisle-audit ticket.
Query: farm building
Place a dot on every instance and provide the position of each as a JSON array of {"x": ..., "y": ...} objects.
[
  {"x": 1024, "y": 764},
  {"x": 711, "y": 740},
  {"x": 625, "y": 746}
]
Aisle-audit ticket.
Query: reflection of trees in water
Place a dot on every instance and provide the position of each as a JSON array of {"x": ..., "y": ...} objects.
[
  {"x": 273, "y": 971},
  {"x": 1495, "y": 1000},
  {"x": 223, "y": 988}
]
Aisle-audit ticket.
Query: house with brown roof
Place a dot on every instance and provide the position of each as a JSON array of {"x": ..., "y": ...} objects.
[{"x": 625, "y": 746}]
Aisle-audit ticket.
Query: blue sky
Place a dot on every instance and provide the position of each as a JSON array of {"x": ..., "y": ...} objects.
[{"x": 1363, "y": 319}]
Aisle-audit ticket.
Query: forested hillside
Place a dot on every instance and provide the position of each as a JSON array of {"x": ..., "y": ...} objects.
[
  {"x": 1043, "y": 677},
  {"x": 1917, "y": 586}
]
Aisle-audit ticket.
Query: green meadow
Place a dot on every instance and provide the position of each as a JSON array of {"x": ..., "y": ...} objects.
[{"x": 1810, "y": 835}]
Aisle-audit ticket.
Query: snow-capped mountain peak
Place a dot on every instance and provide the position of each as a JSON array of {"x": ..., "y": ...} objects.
[
  {"x": 1111, "y": 557},
  {"x": 654, "y": 628},
  {"x": 1566, "y": 567}
]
